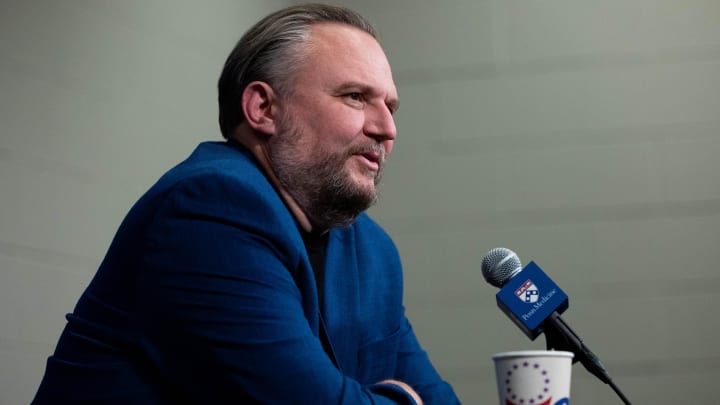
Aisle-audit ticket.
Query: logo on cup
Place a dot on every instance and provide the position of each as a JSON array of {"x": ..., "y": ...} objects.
[
  {"x": 529, "y": 383},
  {"x": 528, "y": 293}
]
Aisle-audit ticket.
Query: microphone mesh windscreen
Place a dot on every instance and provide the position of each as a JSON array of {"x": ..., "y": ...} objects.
[{"x": 500, "y": 265}]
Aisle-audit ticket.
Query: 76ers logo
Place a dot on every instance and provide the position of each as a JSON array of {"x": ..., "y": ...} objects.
[{"x": 528, "y": 292}]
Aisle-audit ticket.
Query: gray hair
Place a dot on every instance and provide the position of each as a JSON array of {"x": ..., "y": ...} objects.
[{"x": 271, "y": 51}]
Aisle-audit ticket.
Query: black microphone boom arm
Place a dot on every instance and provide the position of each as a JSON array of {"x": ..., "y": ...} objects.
[{"x": 560, "y": 336}]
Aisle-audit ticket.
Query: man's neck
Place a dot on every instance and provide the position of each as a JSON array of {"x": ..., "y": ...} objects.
[{"x": 258, "y": 148}]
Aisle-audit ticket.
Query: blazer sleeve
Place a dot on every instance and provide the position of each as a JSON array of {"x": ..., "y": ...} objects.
[
  {"x": 415, "y": 368},
  {"x": 390, "y": 348},
  {"x": 221, "y": 315}
]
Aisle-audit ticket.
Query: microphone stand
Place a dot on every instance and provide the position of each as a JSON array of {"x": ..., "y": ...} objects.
[{"x": 561, "y": 337}]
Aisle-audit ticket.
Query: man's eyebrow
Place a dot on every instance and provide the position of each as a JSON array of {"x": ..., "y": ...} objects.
[{"x": 362, "y": 88}]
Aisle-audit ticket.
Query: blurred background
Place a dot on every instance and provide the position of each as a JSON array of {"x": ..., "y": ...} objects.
[{"x": 581, "y": 134}]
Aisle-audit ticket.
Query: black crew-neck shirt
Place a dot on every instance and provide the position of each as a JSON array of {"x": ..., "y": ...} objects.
[{"x": 316, "y": 246}]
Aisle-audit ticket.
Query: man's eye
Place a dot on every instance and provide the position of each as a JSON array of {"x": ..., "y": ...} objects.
[{"x": 355, "y": 96}]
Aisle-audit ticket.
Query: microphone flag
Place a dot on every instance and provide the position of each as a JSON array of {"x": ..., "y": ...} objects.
[{"x": 529, "y": 298}]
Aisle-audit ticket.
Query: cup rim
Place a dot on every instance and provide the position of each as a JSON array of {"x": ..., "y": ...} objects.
[{"x": 533, "y": 353}]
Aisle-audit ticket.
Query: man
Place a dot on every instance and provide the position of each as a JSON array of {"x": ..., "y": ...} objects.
[{"x": 249, "y": 273}]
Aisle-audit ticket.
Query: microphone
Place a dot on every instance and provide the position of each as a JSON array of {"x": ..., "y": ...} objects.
[
  {"x": 528, "y": 296},
  {"x": 534, "y": 303}
]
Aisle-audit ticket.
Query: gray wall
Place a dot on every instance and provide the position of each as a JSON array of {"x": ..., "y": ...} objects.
[
  {"x": 581, "y": 134},
  {"x": 97, "y": 99},
  {"x": 584, "y": 135}
]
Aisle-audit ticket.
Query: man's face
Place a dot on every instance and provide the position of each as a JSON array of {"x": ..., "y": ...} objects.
[{"x": 335, "y": 128}]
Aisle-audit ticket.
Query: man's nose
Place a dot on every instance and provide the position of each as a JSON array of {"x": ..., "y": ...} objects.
[{"x": 380, "y": 124}]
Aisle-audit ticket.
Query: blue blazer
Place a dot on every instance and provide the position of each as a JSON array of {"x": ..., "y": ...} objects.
[{"x": 207, "y": 295}]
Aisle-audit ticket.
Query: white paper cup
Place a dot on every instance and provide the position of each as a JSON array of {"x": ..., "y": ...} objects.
[{"x": 533, "y": 377}]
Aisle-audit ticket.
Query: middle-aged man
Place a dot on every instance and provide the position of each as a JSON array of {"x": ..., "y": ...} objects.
[{"x": 249, "y": 272}]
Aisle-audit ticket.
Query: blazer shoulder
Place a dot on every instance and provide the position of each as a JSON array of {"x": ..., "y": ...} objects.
[
  {"x": 218, "y": 182},
  {"x": 219, "y": 158}
]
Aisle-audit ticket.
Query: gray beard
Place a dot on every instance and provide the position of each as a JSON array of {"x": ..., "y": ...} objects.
[{"x": 322, "y": 187}]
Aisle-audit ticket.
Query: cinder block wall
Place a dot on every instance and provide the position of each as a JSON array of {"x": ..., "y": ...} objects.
[{"x": 585, "y": 136}]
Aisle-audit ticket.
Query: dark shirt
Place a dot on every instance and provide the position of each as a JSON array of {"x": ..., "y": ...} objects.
[{"x": 316, "y": 245}]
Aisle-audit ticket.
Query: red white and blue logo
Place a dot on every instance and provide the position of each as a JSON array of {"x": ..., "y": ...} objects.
[
  {"x": 540, "y": 394},
  {"x": 528, "y": 292}
]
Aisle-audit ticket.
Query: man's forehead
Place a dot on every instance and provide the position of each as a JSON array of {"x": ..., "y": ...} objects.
[
  {"x": 334, "y": 41},
  {"x": 348, "y": 47}
]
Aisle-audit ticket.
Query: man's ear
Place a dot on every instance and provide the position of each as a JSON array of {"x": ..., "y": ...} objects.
[{"x": 259, "y": 106}]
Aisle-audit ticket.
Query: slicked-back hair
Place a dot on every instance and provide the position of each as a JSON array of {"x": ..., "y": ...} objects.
[{"x": 272, "y": 51}]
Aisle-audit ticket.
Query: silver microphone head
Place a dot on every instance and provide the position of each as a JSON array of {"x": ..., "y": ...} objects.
[{"x": 500, "y": 265}]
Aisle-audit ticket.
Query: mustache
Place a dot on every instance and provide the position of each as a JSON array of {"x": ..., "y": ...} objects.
[{"x": 376, "y": 149}]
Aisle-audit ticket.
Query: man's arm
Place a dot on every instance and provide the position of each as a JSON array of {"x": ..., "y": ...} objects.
[
  {"x": 222, "y": 315},
  {"x": 414, "y": 368}
]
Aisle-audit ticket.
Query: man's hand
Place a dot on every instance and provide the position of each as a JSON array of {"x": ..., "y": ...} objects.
[{"x": 406, "y": 388}]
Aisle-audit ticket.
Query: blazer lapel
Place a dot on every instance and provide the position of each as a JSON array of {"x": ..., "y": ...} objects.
[{"x": 341, "y": 299}]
